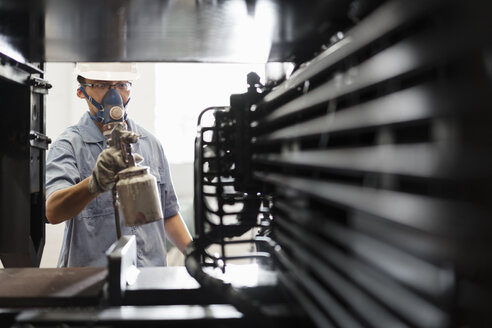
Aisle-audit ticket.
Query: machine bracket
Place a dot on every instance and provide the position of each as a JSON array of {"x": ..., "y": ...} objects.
[{"x": 39, "y": 140}]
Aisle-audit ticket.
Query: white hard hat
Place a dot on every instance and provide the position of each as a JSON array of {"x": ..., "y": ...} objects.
[{"x": 107, "y": 71}]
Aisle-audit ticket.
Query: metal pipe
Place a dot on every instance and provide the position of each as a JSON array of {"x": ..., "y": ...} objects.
[{"x": 116, "y": 212}]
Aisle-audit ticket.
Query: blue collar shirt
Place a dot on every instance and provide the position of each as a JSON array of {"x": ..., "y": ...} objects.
[{"x": 88, "y": 235}]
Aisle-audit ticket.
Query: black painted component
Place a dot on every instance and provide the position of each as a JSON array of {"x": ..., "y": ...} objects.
[
  {"x": 22, "y": 164},
  {"x": 375, "y": 156},
  {"x": 378, "y": 154}
]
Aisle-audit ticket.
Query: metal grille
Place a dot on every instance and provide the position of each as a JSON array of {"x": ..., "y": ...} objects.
[
  {"x": 373, "y": 166},
  {"x": 377, "y": 156},
  {"x": 227, "y": 220}
]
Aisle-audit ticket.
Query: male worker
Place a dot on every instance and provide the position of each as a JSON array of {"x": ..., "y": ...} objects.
[{"x": 80, "y": 173}]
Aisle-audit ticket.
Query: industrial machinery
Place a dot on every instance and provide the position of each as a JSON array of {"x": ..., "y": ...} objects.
[{"x": 361, "y": 182}]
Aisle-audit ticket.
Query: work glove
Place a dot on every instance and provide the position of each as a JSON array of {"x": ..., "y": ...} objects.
[{"x": 109, "y": 162}]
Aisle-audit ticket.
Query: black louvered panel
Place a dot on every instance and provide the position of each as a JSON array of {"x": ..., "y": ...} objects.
[
  {"x": 376, "y": 31},
  {"x": 424, "y": 277},
  {"x": 367, "y": 293},
  {"x": 378, "y": 156},
  {"x": 422, "y": 159},
  {"x": 425, "y": 101},
  {"x": 426, "y": 214},
  {"x": 399, "y": 61}
]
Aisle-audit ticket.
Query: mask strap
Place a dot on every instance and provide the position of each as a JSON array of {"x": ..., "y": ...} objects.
[
  {"x": 100, "y": 108},
  {"x": 95, "y": 103},
  {"x": 127, "y": 102},
  {"x": 124, "y": 105},
  {"x": 95, "y": 118}
]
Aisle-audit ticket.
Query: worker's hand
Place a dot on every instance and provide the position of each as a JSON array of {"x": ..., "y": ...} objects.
[{"x": 109, "y": 162}]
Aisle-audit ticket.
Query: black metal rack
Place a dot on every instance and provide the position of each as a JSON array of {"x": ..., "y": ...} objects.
[
  {"x": 22, "y": 162},
  {"x": 375, "y": 158},
  {"x": 224, "y": 216},
  {"x": 378, "y": 157}
]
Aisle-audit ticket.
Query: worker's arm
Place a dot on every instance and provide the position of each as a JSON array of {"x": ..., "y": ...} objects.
[
  {"x": 66, "y": 203},
  {"x": 177, "y": 232}
]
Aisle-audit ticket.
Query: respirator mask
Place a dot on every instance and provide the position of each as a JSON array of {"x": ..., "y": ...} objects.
[{"x": 111, "y": 110}]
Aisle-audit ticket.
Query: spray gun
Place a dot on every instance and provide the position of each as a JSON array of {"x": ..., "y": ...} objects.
[
  {"x": 135, "y": 189},
  {"x": 122, "y": 139}
]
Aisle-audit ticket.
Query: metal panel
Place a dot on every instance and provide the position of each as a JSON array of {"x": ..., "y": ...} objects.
[
  {"x": 425, "y": 277},
  {"x": 382, "y": 24},
  {"x": 403, "y": 58},
  {"x": 49, "y": 287},
  {"x": 22, "y": 164},
  {"x": 425, "y": 101},
  {"x": 423, "y": 160},
  {"x": 377, "y": 157},
  {"x": 170, "y": 30},
  {"x": 419, "y": 212}
]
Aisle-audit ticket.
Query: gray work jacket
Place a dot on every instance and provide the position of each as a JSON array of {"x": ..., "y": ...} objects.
[{"x": 88, "y": 235}]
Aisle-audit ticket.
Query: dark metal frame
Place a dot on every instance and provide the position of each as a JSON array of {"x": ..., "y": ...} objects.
[
  {"x": 215, "y": 168},
  {"x": 376, "y": 160},
  {"x": 22, "y": 163}
]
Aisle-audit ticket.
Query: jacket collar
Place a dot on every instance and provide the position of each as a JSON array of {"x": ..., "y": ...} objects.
[
  {"x": 132, "y": 126},
  {"x": 91, "y": 133}
]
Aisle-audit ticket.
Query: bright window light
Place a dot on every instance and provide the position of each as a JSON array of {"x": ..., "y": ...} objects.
[{"x": 183, "y": 90}]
